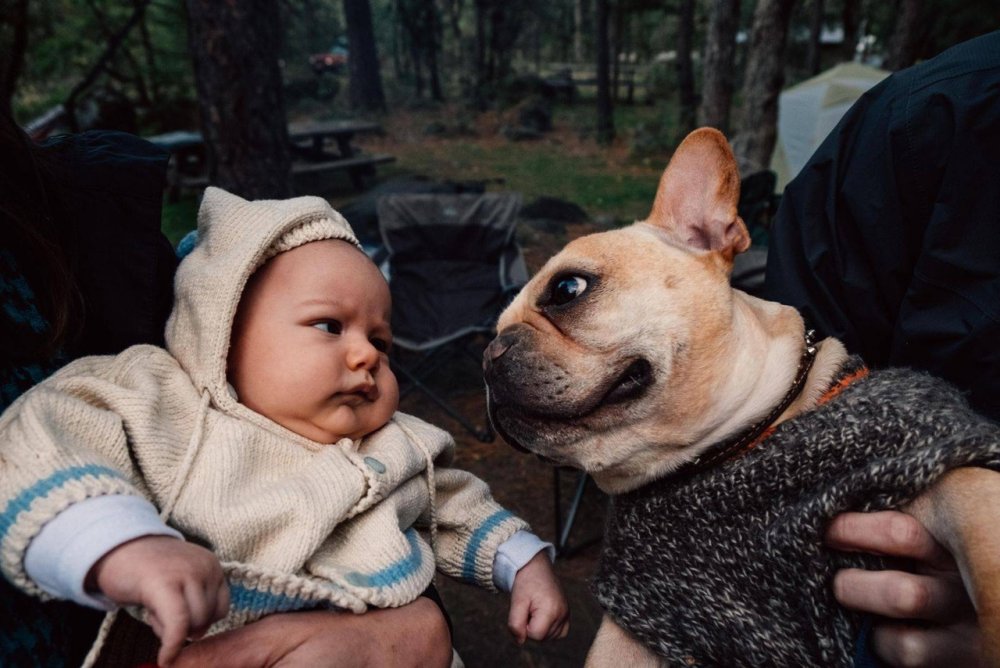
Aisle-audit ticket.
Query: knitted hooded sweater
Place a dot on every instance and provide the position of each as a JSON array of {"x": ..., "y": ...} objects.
[
  {"x": 295, "y": 523},
  {"x": 726, "y": 567}
]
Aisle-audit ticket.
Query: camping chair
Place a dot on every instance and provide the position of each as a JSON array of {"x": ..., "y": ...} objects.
[{"x": 453, "y": 265}]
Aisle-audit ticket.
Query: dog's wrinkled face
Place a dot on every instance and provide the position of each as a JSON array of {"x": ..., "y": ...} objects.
[{"x": 609, "y": 355}]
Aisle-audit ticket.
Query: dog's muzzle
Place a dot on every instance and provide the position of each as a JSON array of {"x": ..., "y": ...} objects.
[{"x": 535, "y": 392}]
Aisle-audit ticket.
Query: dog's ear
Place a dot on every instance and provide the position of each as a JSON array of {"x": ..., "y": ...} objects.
[{"x": 696, "y": 201}]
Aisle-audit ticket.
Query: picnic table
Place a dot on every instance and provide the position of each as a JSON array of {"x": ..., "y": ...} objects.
[{"x": 316, "y": 147}]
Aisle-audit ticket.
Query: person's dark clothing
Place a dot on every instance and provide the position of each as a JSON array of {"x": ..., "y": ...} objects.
[
  {"x": 889, "y": 238},
  {"x": 108, "y": 193}
]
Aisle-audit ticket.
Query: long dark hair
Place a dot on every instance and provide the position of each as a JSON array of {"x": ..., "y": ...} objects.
[{"x": 31, "y": 228}]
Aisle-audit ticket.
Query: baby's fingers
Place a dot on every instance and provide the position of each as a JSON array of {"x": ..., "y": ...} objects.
[
  {"x": 221, "y": 601},
  {"x": 203, "y": 604},
  {"x": 543, "y": 621},
  {"x": 171, "y": 616},
  {"x": 517, "y": 620}
]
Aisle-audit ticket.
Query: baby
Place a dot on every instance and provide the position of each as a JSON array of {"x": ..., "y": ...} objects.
[{"x": 266, "y": 431}]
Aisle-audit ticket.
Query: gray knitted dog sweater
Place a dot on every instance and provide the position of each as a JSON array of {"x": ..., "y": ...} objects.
[{"x": 726, "y": 566}]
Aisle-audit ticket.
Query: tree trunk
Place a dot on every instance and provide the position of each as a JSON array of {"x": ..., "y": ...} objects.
[
  {"x": 234, "y": 47},
  {"x": 815, "y": 37},
  {"x": 685, "y": 68},
  {"x": 605, "y": 120},
  {"x": 366, "y": 80},
  {"x": 720, "y": 57},
  {"x": 454, "y": 10},
  {"x": 13, "y": 63},
  {"x": 904, "y": 42},
  {"x": 849, "y": 16},
  {"x": 114, "y": 42},
  {"x": 616, "y": 49},
  {"x": 764, "y": 77},
  {"x": 434, "y": 39},
  {"x": 578, "y": 14},
  {"x": 150, "y": 59}
]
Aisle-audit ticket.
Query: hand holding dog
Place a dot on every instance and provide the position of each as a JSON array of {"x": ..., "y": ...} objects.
[
  {"x": 538, "y": 609},
  {"x": 926, "y": 616},
  {"x": 181, "y": 585}
]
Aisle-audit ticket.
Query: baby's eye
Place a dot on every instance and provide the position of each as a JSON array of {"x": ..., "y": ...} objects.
[
  {"x": 381, "y": 345},
  {"x": 328, "y": 326}
]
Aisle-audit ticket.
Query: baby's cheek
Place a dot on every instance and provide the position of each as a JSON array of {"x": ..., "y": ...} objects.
[{"x": 391, "y": 390}]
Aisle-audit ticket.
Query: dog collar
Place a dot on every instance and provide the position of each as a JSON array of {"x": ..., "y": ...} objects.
[{"x": 749, "y": 438}]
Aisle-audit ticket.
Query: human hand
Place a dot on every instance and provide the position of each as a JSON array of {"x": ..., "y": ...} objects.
[
  {"x": 180, "y": 585},
  {"x": 413, "y": 636},
  {"x": 927, "y": 616},
  {"x": 538, "y": 609}
]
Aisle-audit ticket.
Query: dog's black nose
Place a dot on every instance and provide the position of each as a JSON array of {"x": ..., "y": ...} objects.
[{"x": 498, "y": 346}]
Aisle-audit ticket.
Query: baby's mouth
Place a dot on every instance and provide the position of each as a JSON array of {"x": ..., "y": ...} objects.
[{"x": 363, "y": 392}]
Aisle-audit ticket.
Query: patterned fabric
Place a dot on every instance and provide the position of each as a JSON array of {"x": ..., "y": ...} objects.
[
  {"x": 727, "y": 567},
  {"x": 17, "y": 307}
]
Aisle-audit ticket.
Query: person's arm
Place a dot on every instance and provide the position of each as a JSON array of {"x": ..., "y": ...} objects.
[
  {"x": 514, "y": 553},
  {"x": 472, "y": 528},
  {"x": 58, "y": 446},
  {"x": 413, "y": 636},
  {"x": 925, "y": 617},
  {"x": 65, "y": 551},
  {"x": 946, "y": 610}
]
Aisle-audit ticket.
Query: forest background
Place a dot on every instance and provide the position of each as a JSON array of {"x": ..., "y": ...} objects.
[{"x": 578, "y": 99}]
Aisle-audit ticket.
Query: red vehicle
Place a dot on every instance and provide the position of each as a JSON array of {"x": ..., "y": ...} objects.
[{"x": 332, "y": 61}]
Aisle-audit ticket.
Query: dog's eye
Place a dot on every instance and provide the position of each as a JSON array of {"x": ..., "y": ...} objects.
[{"x": 566, "y": 289}]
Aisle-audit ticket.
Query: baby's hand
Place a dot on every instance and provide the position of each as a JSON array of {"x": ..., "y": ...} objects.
[
  {"x": 180, "y": 585},
  {"x": 538, "y": 609}
]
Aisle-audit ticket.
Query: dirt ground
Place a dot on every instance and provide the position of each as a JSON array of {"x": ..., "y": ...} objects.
[{"x": 525, "y": 485}]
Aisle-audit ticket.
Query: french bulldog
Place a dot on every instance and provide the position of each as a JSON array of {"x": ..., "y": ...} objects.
[{"x": 630, "y": 356}]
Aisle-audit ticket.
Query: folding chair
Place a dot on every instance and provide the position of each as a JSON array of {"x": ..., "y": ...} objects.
[{"x": 453, "y": 265}]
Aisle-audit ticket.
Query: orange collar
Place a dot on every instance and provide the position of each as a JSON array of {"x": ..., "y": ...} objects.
[{"x": 835, "y": 389}]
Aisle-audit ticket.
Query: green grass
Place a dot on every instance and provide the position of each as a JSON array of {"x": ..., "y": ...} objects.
[
  {"x": 566, "y": 164},
  {"x": 541, "y": 169},
  {"x": 178, "y": 218}
]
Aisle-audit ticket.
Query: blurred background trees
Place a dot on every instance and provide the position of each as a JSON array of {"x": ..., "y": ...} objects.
[{"x": 150, "y": 66}]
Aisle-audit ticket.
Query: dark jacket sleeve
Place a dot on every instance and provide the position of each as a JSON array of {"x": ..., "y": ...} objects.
[
  {"x": 889, "y": 238},
  {"x": 112, "y": 194}
]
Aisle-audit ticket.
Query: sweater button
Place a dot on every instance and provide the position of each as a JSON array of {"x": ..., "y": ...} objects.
[{"x": 375, "y": 465}]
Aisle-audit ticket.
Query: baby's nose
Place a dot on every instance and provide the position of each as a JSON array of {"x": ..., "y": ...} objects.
[{"x": 364, "y": 355}]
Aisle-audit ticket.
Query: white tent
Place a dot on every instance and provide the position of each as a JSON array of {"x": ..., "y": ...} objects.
[{"x": 809, "y": 110}]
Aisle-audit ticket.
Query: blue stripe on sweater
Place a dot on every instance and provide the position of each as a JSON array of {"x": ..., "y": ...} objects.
[
  {"x": 22, "y": 502},
  {"x": 476, "y": 541},
  {"x": 395, "y": 572},
  {"x": 263, "y": 602}
]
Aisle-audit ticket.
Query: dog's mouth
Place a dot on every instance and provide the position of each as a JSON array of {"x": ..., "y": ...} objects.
[{"x": 631, "y": 384}]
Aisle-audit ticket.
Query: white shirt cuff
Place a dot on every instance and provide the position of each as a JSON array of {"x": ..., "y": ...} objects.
[
  {"x": 60, "y": 556},
  {"x": 513, "y": 554}
]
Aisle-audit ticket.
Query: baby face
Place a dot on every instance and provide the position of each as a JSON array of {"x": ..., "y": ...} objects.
[{"x": 310, "y": 343}]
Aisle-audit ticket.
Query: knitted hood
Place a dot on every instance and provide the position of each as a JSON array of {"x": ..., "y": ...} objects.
[{"x": 235, "y": 237}]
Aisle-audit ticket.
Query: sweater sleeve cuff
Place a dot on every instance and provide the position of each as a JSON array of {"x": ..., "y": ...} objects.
[
  {"x": 513, "y": 554},
  {"x": 60, "y": 556}
]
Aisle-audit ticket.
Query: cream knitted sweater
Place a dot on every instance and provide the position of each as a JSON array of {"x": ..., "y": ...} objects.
[{"x": 296, "y": 523}]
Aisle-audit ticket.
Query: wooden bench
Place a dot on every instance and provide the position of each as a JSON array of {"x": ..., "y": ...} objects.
[{"x": 359, "y": 167}]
